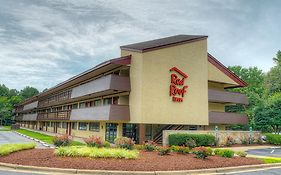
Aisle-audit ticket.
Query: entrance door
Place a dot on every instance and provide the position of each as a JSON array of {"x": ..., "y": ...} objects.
[{"x": 111, "y": 132}]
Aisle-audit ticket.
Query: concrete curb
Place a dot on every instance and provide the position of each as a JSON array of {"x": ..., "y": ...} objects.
[
  {"x": 36, "y": 140},
  {"x": 105, "y": 172}
]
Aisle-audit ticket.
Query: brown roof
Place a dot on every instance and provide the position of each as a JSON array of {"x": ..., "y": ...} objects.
[{"x": 162, "y": 43}]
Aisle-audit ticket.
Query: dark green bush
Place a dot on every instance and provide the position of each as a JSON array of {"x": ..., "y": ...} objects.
[
  {"x": 274, "y": 139},
  {"x": 200, "y": 139}
]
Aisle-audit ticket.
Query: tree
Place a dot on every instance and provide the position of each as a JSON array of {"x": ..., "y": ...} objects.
[
  {"x": 255, "y": 91},
  {"x": 277, "y": 59},
  {"x": 268, "y": 115},
  {"x": 4, "y": 91},
  {"x": 273, "y": 77},
  {"x": 28, "y": 92}
]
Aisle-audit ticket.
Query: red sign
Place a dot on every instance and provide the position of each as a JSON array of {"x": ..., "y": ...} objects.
[{"x": 177, "y": 88}]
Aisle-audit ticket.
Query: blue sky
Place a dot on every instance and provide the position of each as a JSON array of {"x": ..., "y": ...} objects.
[{"x": 45, "y": 42}]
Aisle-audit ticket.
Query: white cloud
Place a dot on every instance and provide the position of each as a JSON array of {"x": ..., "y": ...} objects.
[{"x": 45, "y": 42}]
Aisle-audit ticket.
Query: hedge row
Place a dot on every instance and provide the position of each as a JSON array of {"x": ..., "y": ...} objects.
[
  {"x": 274, "y": 139},
  {"x": 200, "y": 139}
]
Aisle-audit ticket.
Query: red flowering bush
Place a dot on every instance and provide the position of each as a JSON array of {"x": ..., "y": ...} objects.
[
  {"x": 201, "y": 152},
  {"x": 63, "y": 140},
  {"x": 94, "y": 141},
  {"x": 124, "y": 142}
]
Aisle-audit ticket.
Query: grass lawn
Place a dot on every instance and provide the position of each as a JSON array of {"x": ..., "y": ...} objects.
[
  {"x": 10, "y": 148},
  {"x": 43, "y": 137},
  {"x": 271, "y": 160},
  {"x": 5, "y": 128}
]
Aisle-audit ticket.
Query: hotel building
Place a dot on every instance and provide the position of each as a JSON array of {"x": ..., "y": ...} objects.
[{"x": 171, "y": 83}]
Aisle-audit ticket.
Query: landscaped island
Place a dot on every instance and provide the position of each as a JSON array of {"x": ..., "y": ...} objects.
[{"x": 195, "y": 153}]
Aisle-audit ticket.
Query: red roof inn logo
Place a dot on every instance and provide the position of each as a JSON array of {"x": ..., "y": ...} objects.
[{"x": 177, "y": 88}]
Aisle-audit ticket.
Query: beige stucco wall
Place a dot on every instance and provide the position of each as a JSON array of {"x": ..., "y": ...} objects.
[
  {"x": 150, "y": 80},
  {"x": 216, "y": 86},
  {"x": 216, "y": 75},
  {"x": 220, "y": 107}
]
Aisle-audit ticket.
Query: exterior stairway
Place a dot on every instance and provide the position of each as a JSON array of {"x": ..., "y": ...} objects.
[{"x": 158, "y": 137}]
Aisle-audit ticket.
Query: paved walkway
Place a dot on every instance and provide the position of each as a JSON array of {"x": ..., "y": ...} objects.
[{"x": 7, "y": 137}]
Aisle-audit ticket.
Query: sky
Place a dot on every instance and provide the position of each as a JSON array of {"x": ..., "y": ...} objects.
[{"x": 44, "y": 42}]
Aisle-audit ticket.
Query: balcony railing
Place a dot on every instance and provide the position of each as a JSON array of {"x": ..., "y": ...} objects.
[
  {"x": 109, "y": 82},
  {"x": 55, "y": 98},
  {"x": 107, "y": 112},
  {"x": 227, "y": 118},
  {"x": 29, "y": 117},
  {"x": 19, "y": 118},
  {"x": 61, "y": 115},
  {"x": 30, "y": 105},
  {"x": 227, "y": 97}
]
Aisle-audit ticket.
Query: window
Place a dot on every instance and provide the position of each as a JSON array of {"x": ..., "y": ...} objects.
[
  {"x": 89, "y": 104},
  {"x": 115, "y": 100},
  {"x": 59, "y": 124},
  {"x": 82, "y": 105},
  {"x": 107, "y": 101},
  {"x": 74, "y": 106},
  {"x": 94, "y": 127},
  {"x": 52, "y": 124},
  {"x": 74, "y": 125},
  {"x": 97, "y": 102},
  {"x": 49, "y": 124},
  {"x": 63, "y": 124},
  {"x": 82, "y": 126}
]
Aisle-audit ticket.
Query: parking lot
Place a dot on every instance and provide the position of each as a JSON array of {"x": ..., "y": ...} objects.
[{"x": 7, "y": 137}]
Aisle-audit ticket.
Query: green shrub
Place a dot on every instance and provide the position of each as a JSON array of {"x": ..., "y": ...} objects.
[
  {"x": 106, "y": 144},
  {"x": 274, "y": 139},
  {"x": 164, "y": 150},
  {"x": 63, "y": 140},
  {"x": 180, "y": 149},
  {"x": 7, "y": 149},
  {"x": 241, "y": 153},
  {"x": 201, "y": 152},
  {"x": 224, "y": 153},
  {"x": 149, "y": 146},
  {"x": 210, "y": 151},
  {"x": 124, "y": 142},
  {"x": 94, "y": 152},
  {"x": 200, "y": 139},
  {"x": 138, "y": 147}
]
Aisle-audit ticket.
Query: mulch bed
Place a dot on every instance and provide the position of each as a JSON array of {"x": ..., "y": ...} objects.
[{"x": 148, "y": 161}]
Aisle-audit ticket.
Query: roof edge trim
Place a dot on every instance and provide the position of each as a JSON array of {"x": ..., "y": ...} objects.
[{"x": 226, "y": 71}]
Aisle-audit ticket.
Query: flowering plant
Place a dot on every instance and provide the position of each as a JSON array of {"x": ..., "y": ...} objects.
[{"x": 63, "y": 140}]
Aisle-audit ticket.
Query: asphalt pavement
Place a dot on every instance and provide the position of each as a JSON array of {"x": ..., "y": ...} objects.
[
  {"x": 274, "y": 171},
  {"x": 7, "y": 137},
  {"x": 269, "y": 152}
]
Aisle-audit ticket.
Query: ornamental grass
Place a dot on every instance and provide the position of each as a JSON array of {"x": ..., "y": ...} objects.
[
  {"x": 7, "y": 149},
  {"x": 93, "y": 152}
]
